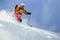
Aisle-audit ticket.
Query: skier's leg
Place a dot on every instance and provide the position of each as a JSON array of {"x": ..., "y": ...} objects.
[{"x": 20, "y": 18}]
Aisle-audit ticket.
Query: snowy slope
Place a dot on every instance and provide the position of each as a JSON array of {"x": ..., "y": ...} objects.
[{"x": 12, "y": 30}]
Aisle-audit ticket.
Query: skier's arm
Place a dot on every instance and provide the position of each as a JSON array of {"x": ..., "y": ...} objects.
[{"x": 25, "y": 12}]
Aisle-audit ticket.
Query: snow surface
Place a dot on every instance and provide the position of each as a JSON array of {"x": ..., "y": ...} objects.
[{"x": 10, "y": 29}]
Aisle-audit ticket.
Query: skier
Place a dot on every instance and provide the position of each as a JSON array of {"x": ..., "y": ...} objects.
[{"x": 19, "y": 10}]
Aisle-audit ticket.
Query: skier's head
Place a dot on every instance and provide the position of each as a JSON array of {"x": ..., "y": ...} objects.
[{"x": 16, "y": 5}]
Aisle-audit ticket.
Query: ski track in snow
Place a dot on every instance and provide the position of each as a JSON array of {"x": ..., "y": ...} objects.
[{"x": 10, "y": 29}]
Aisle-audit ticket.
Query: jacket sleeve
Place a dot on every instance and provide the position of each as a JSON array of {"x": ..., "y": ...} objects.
[{"x": 27, "y": 13}]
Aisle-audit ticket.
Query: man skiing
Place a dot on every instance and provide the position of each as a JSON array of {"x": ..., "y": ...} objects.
[{"x": 19, "y": 10}]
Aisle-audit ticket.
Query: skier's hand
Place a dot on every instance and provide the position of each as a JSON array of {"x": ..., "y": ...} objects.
[
  {"x": 13, "y": 8},
  {"x": 29, "y": 13}
]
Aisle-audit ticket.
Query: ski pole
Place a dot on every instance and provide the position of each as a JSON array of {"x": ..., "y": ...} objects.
[
  {"x": 29, "y": 15},
  {"x": 28, "y": 19}
]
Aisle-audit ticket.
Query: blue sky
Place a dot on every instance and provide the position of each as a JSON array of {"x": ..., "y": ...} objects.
[{"x": 45, "y": 13}]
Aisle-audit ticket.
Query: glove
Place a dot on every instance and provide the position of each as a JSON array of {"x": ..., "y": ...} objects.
[{"x": 29, "y": 13}]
